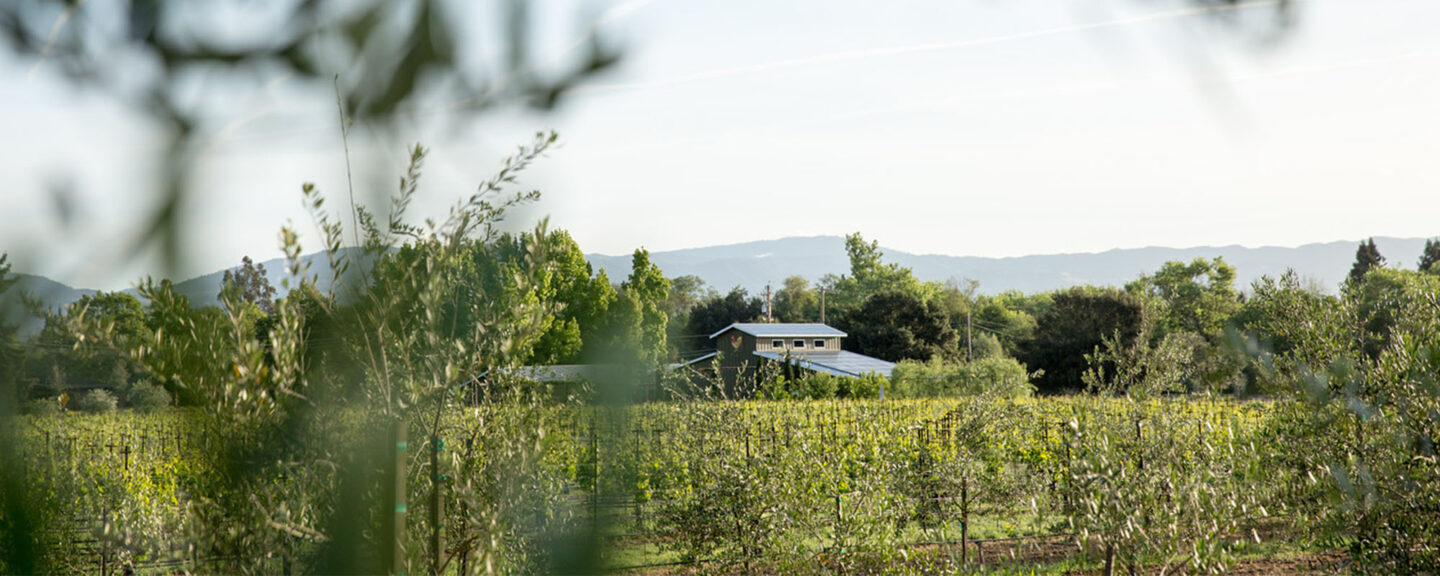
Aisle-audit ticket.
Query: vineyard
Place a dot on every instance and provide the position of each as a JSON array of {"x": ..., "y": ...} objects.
[{"x": 788, "y": 487}]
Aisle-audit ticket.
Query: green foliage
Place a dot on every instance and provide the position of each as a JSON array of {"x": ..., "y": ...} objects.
[
  {"x": 1429, "y": 257},
  {"x": 93, "y": 339},
  {"x": 869, "y": 275},
  {"x": 42, "y": 407},
  {"x": 990, "y": 377},
  {"x": 895, "y": 325},
  {"x": 1198, "y": 297},
  {"x": 252, "y": 284},
  {"x": 1158, "y": 488},
  {"x": 714, "y": 314},
  {"x": 1076, "y": 323},
  {"x": 866, "y": 387},
  {"x": 1382, "y": 300},
  {"x": 686, "y": 293},
  {"x": 796, "y": 302},
  {"x": 1367, "y": 258},
  {"x": 637, "y": 319},
  {"x": 146, "y": 397},
  {"x": 94, "y": 402}
]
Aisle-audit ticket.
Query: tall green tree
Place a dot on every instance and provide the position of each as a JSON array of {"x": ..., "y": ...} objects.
[
  {"x": 686, "y": 292},
  {"x": 1429, "y": 256},
  {"x": 715, "y": 313},
  {"x": 252, "y": 285},
  {"x": 1197, "y": 297},
  {"x": 581, "y": 301},
  {"x": 94, "y": 339},
  {"x": 638, "y": 318},
  {"x": 869, "y": 275},
  {"x": 1077, "y": 323},
  {"x": 896, "y": 325},
  {"x": 1367, "y": 258},
  {"x": 796, "y": 301}
]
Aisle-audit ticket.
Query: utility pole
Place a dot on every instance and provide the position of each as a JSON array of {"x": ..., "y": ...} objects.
[
  {"x": 969, "y": 347},
  {"x": 822, "y": 304},
  {"x": 768, "y": 316}
]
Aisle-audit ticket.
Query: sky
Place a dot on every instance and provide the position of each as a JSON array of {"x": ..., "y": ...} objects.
[{"x": 963, "y": 127}]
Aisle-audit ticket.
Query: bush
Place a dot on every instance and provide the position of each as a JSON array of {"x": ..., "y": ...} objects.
[
  {"x": 867, "y": 386},
  {"x": 146, "y": 397},
  {"x": 43, "y": 406},
  {"x": 994, "y": 376},
  {"x": 95, "y": 402},
  {"x": 816, "y": 386}
]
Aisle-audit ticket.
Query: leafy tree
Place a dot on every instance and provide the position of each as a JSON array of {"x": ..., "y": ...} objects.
[
  {"x": 1009, "y": 317},
  {"x": 638, "y": 318},
  {"x": 10, "y": 349},
  {"x": 1429, "y": 256},
  {"x": 869, "y": 275},
  {"x": 93, "y": 339},
  {"x": 582, "y": 301},
  {"x": 253, "y": 286},
  {"x": 184, "y": 354},
  {"x": 1197, "y": 297},
  {"x": 1382, "y": 301},
  {"x": 686, "y": 292},
  {"x": 796, "y": 301},
  {"x": 1291, "y": 326},
  {"x": 1076, "y": 324},
  {"x": 736, "y": 306},
  {"x": 1367, "y": 258},
  {"x": 895, "y": 325}
]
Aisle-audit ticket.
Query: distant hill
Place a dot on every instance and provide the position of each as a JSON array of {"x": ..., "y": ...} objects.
[
  {"x": 205, "y": 290},
  {"x": 752, "y": 265},
  {"x": 201, "y": 290},
  {"x": 52, "y": 294}
]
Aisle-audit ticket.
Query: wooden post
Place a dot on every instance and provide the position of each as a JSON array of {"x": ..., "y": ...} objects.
[
  {"x": 104, "y": 543},
  {"x": 437, "y": 505},
  {"x": 398, "y": 498},
  {"x": 1139, "y": 443},
  {"x": 964, "y": 517}
]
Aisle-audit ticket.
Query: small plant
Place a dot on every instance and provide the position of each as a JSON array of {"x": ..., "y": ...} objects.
[
  {"x": 42, "y": 406},
  {"x": 95, "y": 402},
  {"x": 146, "y": 397}
]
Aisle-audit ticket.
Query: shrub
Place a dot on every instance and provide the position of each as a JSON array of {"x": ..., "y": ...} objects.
[
  {"x": 43, "y": 406},
  {"x": 816, "y": 386},
  {"x": 994, "y": 376},
  {"x": 867, "y": 386},
  {"x": 146, "y": 397},
  {"x": 95, "y": 402}
]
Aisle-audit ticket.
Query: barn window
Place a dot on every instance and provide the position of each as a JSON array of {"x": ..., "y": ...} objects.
[
  {"x": 777, "y": 344},
  {"x": 819, "y": 343},
  {"x": 799, "y": 343}
]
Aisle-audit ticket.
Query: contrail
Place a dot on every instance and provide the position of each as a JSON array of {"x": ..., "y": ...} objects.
[
  {"x": 855, "y": 55},
  {"x": 610, "y": 15}
]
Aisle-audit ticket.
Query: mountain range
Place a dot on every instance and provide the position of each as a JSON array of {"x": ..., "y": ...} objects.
[{"x": 754, "y": 265}]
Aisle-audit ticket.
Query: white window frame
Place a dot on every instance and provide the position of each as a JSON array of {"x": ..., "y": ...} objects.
[
  {"x": 819, "y": 343},
  {"x": 778, "y": 343}
]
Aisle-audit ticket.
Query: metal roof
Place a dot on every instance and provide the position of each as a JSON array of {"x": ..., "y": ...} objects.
[
  {"x": 704, "y": 358},
  {"x": 840, "y": 363},
  {"x": 782, "y": 330}
]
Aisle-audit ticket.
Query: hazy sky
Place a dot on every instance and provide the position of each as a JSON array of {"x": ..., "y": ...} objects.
[{"x": 965, "y": 127}]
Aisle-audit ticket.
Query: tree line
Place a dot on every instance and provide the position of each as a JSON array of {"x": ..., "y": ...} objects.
[{"x": 1187, "y": 319}]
